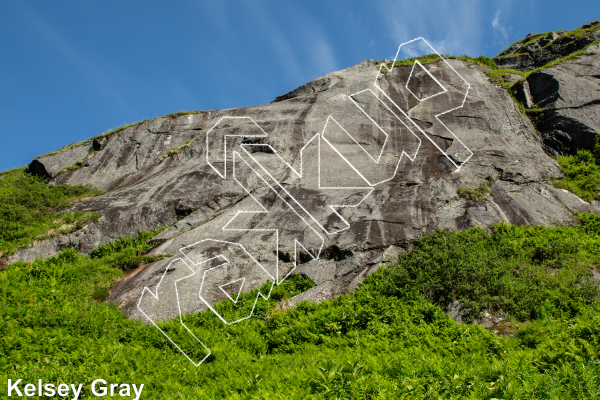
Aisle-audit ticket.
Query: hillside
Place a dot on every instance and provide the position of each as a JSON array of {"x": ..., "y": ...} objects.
[
  {"x": 560, "y": 88},
  {"x": 441, "y": 218},
  {"x": 157, "y": 173}
]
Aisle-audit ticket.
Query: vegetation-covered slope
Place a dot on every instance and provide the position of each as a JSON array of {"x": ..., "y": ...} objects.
[
  {"x": 540, "y": 49},
  {"x": 389, "y": 339},
  {"x": 30, "y": 210},
  {"x": 582, "y": 173}
]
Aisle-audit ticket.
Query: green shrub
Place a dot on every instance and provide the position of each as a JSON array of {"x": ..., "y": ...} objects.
[
  {"x": 391, "y": 338},
  {"x": 100, "y": 293},
  {"x": 385, "y": 340},
  {"x": 477, "y": 195},
  {"x": 30, "y": 210},
  {"x": 582, "y": 174},
  {"x": 128, "y": 253},
  {"x": 529, "y": 273}
]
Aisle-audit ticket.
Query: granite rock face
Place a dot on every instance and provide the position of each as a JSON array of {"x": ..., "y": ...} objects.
[
  {"x": 520, "y": 62},
  {"x": 329, "y": 180},
  {"x": 568, "y": 99},
  {"x": 537, "y": 50}
]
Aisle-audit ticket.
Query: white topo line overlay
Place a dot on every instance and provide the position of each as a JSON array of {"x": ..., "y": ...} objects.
[
  {"x": 264, "y": 211},
  {"x": 156, "y": 297},
  {"x": 457, "y": 166},
  {"x": 208, "y": 135},
  {"x": 431, "y": 76},
  {"x": 206, "y": 302},
  {"x": 300, "y": 174},
  {"x": 238, "y": 292},
  {"x": 237, "y": 157}
]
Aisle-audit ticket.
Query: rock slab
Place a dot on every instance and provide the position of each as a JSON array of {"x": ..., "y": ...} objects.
[{"x": 329, "y": 180}]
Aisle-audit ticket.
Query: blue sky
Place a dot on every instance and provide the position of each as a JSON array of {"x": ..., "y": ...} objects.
[{"x": 70, "y": 70}]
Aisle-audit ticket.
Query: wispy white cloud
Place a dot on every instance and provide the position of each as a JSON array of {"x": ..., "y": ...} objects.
[
  {"x": 88, "y": 69},
  {"x": 179, "y": 93},
  {"x": 498, "y": 27},
  {"x": 452, "y": 27},
  {"x": 303, "y": 56},
  {"x": 315, "y": 44},
  {"x": 323, "y": 58},
  {"x": 278, "y": 40}
]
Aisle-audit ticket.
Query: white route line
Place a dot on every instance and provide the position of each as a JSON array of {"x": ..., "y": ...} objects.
[
  {"x": 431, "y": 76},
  {"x": 206, "y": 302},
  {"x": 438, "y": 115},
  {"x": 299, "y": 174},
  {"x": 370, "y": 119},
  {"x": 402, "y": 154},
  {"x": 296, "y": 243},
  {"x": 224, "y": 174},
  {"x": 239, "y": 290},
  {"x": 147, "y": 290}
]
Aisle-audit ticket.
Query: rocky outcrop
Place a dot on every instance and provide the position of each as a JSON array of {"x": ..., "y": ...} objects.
[
  {"x": 330, "y": 179},
  {"x": 537, "y": 50},
  {"x": 520, "y": 62},
  {"x": 566, "y": 102}
]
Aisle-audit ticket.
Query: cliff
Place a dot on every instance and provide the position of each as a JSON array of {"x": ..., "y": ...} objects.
[{"x": 334, "y": 177}]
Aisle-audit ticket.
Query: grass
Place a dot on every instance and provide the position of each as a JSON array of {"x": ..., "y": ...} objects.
[
  {"x": 175, "y": 150},
  {"x": 115, "y": 130},
  {"x": 476, "y": 195},
  {"x": 128, "y": 253},
  {"x": 424, "y": 60},
  {"x": 72, "y": 167},
  {"x": 481, "y": 60},
  {"x": 87, "y": 141},
  {"x": 180, "y": 113},
  {"x": 553, "y": 63},
  {"x": 432, "y": 58},
  {"x": 30, "y": 210},
  {"x": 389, "y": 339},
  {"x": 65, "y": 147},
  {"x": 582, "y": 173},
  {"x": 502, "y": 77},
  {"x": 568, "y": 36},
  {"x": 79, "y": 163}
]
